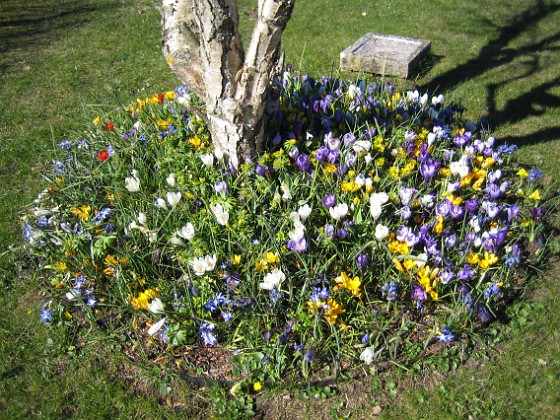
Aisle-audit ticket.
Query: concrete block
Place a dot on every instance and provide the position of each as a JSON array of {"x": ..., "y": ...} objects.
[{"x": 384, "y": 54}]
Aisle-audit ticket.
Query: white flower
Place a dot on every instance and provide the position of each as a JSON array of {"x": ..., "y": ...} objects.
[
  {"x": 422, "y": 260},
  {"x": 160, "y": 202},
  {"x": 339, "y": 211},
  {"x": 132, "y": 183},
  {"x": 375, "y": 211},
  {"x": 381, "y": 232},
  {"x": 304, "y": 211},
  {"x": 207, "y": 159},
  {"x": 173, "y": 198},
  {"x": 222, "y": 216},
  {"x": 298, "y": 232},
  {"x": 176, "y": 241},
  {"x": 72, "y": 294},
  {"x": 378, "y": 198},
  {"x": 368, "y": 158},
  {"x": 272, "y": 279},
  {"x": 361, "y": 146},
  {"x": 171, "y": 180},
  {"x": 210, "y": 262},
  {"x": 156, "y": 327},
  {"x": 360, "y": 180},
  {"x": 142, "y": 218},
  {"x": 368, "y": 356},
  {"x": 286, "y": 190},
  {"x": 459, "y": 168},
  {"x": 156, "y": 306},
  {"x": 186, "y": 232},
  {"x": 218, "y": 153},
  {"x": 440, "y": 99},
  {"x": 199, "y": 266}
]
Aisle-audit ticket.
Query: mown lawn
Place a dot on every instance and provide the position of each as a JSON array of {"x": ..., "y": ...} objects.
[{"x": 63, "y": 62}]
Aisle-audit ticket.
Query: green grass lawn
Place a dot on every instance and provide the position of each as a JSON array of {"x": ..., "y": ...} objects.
[{"x": 64, "y": 62}]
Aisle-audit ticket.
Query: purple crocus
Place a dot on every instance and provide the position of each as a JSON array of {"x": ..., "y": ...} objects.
[
  {"x": 329, "y": 201},
  {"x": 466, "y": 272},
  {"x": 303, "y": 163},
  {"x": 537, "y": 213},
  {"x": 298, "y": 245},
  {"x": 417, "y": 294},
  {"x": 471, "y": 204},
  {"x": 362, "y": 260},
  {"x": 429, "y": 168}
]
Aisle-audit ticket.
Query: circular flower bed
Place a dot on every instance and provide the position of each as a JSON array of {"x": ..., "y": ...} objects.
[{"x": 376, "y": 224}]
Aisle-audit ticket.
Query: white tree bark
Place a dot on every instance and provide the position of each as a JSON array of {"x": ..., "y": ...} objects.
[{"x": 203, "y": 46}]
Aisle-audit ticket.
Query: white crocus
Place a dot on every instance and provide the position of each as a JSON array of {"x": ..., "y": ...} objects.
[
  {"x": 421, "y": 260},
  {"x": 156, "y": 327},
  {"x": 207, "y": 159},
  {"x": 304, "y": 212},
  {"x": 156, "y": 306},
  {"x": 368, "y": 356},
  {"x": 142, "y": 219},
  {"x": 286, "y": 191},
  {"x": 375, "y": 211},
  {"x": 173, "y": 198},
  {"x": 272, "y": 280},
  {"x": 218, "y": 153},
  {"x": 381, "y": 232},
  {"x": 132, "y": 183},
  {"x": 361, "y": 146},
  {"x": 459, "y": 168},
  {"x": 171, "y": 179},
  {"x": 199, "y": 266},
  {"x": 186, "y": 232},
  {"x": 222, "y": 216},
  {"x": 210, "y": 261},
  {"x": 160, "y": 202},
  {"x": 378, "y": 198},
  {"x": 339, "y": 211}
]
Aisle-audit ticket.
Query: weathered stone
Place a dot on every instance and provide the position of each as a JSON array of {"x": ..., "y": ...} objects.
[{"x": 384, "y": 54}]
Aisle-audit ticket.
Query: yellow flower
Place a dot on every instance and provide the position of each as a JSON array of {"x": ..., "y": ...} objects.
[
  {"x": 522, "y": 173},
  {"x": 394, "y": 173},
  {"x": 272, "y": 257},
  {"x": 83, "y": 212},
  {"x": 489, "y": 259},
  {"x": 96, "y": 120},
  {"x": 143, "y": 299},
  {"x": 332, "y": 310},
  {"x": 428, "y": 280},
  {"x": 329, "y": 169},
  {"x": 163, "y": 124},
  {"x": 473, "y": 258},
  {"x": 349, "y": 186},
  {"x": 535, "y": 195},
  {"x": 236, "y": 259},
  {"x": 345, "y": 282},
  {"x": 61, "y": 266},
  {"x": 257, "y": 386},
  {"x": 438, "y": 227},
  {"x": 445, "y": 172}
]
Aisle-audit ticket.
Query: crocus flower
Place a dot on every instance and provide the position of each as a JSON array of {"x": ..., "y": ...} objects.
[
  {"x": 338, "y": 212},
  {"x": 207, "y": 159},
  {"x": 132, "y": 183},
  {"x": 156, "y": 327},
  {"x": 303, "y": 163},
  {"x": 381, "y": 232},
  {"x": 368, "y": 355},
  {"x": 222, "y": 215},
  {"x": 186, "y": 232},
  {"x": 173, "y": 198},
  {"x": 272, "y": 280},
  {"x": 156, "y": 306},
  {"x": 329, "y": 201}
]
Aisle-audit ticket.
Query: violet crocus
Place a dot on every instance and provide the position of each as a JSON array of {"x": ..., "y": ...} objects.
[
  {"x": 466, "y": 272},
  {"x": 303, "y": 163},
  {"x": 329, "y": 201},
  {"x": 471, "y": 204},
  {"x": 322, "y": 153},
  {"x": 261, "y": 170},
  {"x": 537, "y": 213},
  {"x": 457, "y": 212},
  {"x": 443, "y": 208},
  {"x": 362, "y": 260},
  {"x": 461, "y": 139},
  {"x": 417, "y": 294}
]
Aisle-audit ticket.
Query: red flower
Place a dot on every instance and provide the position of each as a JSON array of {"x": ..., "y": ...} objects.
[
  {"x": 104, "y": 155},
  {"x": 160, "y": 97},
  {"x": 109, "y": 126}
]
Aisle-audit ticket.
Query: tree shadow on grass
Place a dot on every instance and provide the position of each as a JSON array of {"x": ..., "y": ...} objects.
[
  {"x": 32, "y": 23},
  {"x": 497, "y": 53}
]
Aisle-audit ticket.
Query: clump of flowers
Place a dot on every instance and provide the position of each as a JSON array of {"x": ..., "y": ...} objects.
[{"x": 370, "y": 215}]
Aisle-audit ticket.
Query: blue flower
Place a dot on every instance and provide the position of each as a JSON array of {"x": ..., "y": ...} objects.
[
  {"x": 207, "y": 335},
  {"x": 444, "y": 335},
  {"x": 491, "y": 290},
  {"x": 390, "y": 291},
  {"x": 46, "y": 316}
]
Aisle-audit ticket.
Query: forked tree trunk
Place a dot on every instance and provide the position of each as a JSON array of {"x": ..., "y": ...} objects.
[{"x": 203, "y": 46}]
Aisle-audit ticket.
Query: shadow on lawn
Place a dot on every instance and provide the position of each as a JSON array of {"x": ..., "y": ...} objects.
[
  {"x": 25, "y": 24},
  {"x": 535, "y": 100}
]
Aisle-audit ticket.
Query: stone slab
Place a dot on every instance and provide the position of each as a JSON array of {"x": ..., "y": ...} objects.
[{"x": 384, "y": 54}]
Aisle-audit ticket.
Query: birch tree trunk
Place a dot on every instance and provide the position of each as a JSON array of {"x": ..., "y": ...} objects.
[{"x": 202, "y": 44}]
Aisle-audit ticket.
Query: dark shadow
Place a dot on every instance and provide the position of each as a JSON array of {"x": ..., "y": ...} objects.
[
  {"x": 25, "y": 24},
  {"x": 498, "y": 53}
]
